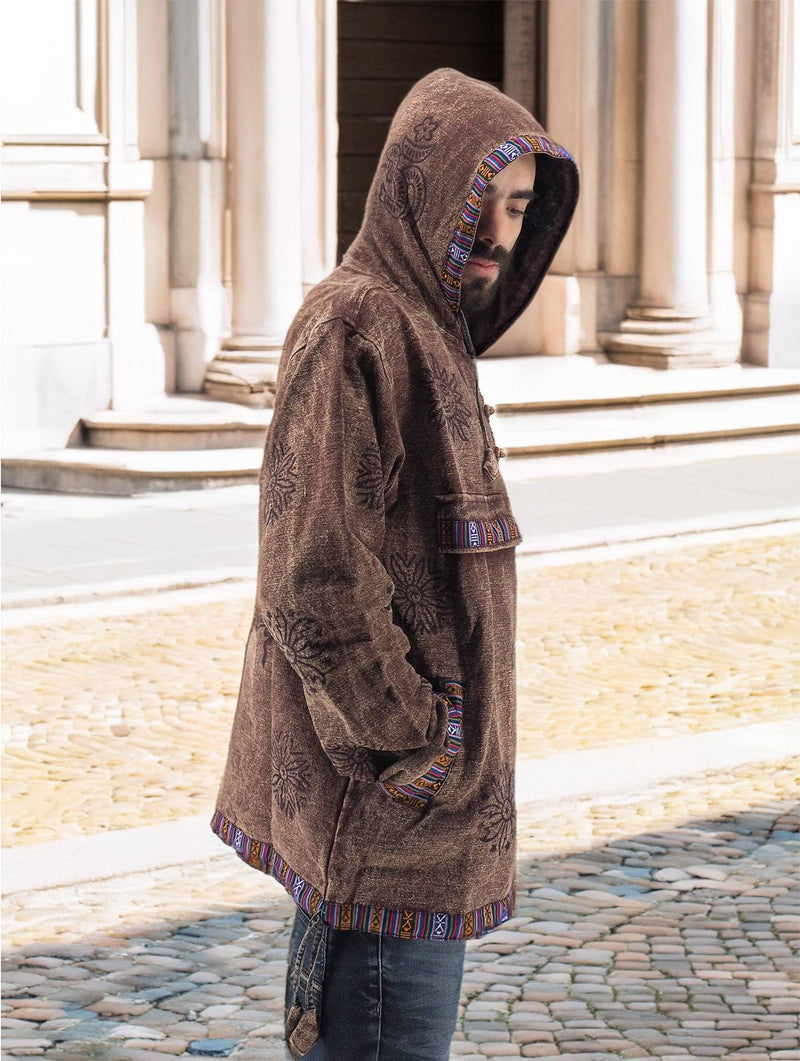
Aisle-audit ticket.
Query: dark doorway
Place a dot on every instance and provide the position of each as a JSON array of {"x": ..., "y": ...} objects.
[{"x": 384, "y": 47}]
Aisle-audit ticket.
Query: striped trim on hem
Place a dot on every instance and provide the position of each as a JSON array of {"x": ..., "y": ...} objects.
[
  {"x": 467, "y": 224},
  {"x": 404, "y": 924}
]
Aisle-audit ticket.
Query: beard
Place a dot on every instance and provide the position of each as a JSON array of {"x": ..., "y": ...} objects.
[{"x": 477, "y": 292}]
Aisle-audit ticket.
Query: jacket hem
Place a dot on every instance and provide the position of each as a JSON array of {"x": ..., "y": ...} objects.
[{"x": 404, "y": 924}]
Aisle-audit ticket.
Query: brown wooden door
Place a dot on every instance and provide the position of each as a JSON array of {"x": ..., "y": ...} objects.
[{"x": 384, "y": 47}]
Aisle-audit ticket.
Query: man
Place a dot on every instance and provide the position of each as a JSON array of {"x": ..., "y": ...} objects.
[
  {"x": 505, "y": 200},
  {"x": 371, "y": 759}
]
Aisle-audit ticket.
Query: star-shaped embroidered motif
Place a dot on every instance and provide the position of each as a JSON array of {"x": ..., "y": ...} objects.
[{"x": 425, "y": 129}]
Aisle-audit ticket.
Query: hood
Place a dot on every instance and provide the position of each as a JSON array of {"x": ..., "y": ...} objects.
[{"x": 450, "y": 136}]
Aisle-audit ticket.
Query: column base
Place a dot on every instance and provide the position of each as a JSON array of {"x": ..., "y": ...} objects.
[
  {"x": 666, "y": 338},
  {"x": 244, "y": 371}
]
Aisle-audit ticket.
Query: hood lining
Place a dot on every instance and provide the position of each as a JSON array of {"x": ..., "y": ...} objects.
[{"x": 463, "y": 237}]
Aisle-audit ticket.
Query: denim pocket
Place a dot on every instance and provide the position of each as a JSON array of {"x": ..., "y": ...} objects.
[{"x": 305, "y": 980}]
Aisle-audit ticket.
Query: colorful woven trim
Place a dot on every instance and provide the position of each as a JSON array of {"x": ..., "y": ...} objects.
[
  {"x": 466, "y": 226},
  {"x": 421, "y": 790},
  {"x": 406, "y": 924},
  {"x": 478, "y": 533}
]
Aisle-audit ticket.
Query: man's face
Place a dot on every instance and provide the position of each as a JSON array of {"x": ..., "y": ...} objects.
[{"x": 499, "y": 226}]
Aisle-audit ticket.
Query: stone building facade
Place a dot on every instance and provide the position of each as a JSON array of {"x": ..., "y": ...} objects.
[{"x": 169, "y": 180}]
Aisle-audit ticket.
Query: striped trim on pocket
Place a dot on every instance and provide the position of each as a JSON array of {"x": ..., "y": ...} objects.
[
  {"x": 478, "y": 533},
  {"x": 419, "y": 792}
]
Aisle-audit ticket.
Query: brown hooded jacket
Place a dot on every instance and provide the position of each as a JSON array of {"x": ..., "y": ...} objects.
[{"x": 371, "y": 760}]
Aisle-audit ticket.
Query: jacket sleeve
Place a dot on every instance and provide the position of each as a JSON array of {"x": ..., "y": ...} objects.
[{"x": 331, "y": 464}]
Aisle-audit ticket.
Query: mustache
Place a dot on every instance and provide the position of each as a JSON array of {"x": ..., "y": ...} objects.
[{"x": 483, "y": 250}]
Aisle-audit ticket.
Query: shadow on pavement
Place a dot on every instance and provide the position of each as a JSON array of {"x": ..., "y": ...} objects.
[{"x": 679, "y": 941}]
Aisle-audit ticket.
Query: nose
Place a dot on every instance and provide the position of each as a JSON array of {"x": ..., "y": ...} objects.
[{"x": 488, "y": 230}]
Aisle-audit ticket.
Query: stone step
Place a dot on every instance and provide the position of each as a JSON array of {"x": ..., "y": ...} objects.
[
  {"x": 578, "y": 381},
  {"x": 91, "y": 469},
  {"x": 514, "y": 385},
  {"x": 126, "y": 472},
  {"x": 179, "y": 422},
  {"x": 649, "y": 425}
]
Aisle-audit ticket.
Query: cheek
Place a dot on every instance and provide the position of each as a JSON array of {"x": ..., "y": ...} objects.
[{"x": 514, "y": 233}]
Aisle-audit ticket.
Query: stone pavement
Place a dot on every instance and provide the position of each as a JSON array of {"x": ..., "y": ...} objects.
[
  {"x": 653, "y": 923},
  {"x": 661, "y": 925},
  {"x": 645, "y": 646}
]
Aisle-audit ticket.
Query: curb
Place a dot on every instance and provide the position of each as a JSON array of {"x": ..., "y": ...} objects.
[
  {"x": 610, "y": 769},
  {"x": 564, "y": 547},
  {"x": 645, "y": 533},
  {"x": 124, "y": 587}
]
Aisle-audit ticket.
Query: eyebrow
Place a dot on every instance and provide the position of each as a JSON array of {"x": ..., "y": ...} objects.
[{"x": 522, "y": 193}]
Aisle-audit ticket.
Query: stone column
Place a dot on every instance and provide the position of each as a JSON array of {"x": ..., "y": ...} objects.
[
  {"x": 522, "y": 51},
  {"x": 137, "y": 358},
  {"x": 623, "y": 166},
  {"x": 772, "y": 303},
  {"x": 197, "y": 186},
  {"x": 276, "y": 137},
  {"x": 669, "y": 324},
  {"x": 725, "y": 306}
]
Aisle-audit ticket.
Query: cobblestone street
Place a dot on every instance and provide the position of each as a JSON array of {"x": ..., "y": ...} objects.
[
  {"x": 653, "y": 645},
  {"x": 660, "y": 923}
]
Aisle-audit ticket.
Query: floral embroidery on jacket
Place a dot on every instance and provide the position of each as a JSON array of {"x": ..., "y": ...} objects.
[
  {"x": 291, "y": 780},
  {"x": 266, "y": 637},
  {"x": 302, "y": 643},
  {"x": 498, "y": 814},
  {"x": 446, "y": 405},
  {"x": 418, "y": 591},
  {"x": 281, "y": 482},
  {"x": 369, "y": 478},
  {"x": 405, "y": 189}
]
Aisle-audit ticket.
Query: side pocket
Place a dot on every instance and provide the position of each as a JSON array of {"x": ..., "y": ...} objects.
[{"x": 418, "y": 791}]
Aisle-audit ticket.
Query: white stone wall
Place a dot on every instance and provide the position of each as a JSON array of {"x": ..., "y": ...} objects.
[
  {"x": 75, "y": 336},
  {"x": 53, "y": 279},
  {"x": 142, "y": 212},
  {"x": 153, "y": 142}
]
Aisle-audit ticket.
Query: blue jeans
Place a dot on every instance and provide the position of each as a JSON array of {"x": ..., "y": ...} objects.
[{"x": 361, "y": 996}]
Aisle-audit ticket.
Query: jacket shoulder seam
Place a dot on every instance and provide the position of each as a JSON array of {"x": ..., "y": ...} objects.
[{"x": 350, "y": 321}]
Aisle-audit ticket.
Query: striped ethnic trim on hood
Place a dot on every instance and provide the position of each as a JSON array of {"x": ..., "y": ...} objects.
[
  {"x": 464, "y": 236},
  {"x": 449, "y": 137}
]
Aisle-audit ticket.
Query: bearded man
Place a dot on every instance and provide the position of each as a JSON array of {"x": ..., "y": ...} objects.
[{"x": 371, "y": 760}]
